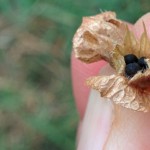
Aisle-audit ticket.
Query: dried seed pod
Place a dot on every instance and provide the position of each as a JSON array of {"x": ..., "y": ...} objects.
[{"x": 105, "y": 37}]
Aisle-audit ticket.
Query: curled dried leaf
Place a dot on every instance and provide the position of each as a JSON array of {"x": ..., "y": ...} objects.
[{"x": 98, "y": 36}]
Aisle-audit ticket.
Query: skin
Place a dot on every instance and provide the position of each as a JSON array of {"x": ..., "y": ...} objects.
[{"x": 103, "y": 126}]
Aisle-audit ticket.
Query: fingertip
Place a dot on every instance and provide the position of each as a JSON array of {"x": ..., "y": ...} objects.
[{"x": 80, "y": 72}]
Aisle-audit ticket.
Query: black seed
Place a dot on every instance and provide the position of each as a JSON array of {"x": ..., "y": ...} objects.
[
  {"x": 131, "y": 69},
  {"x": 130, "y": 58},
  {"x": 142, "y": 63}
]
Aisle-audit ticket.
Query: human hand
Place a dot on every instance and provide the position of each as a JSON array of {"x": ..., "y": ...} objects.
[{"x": 101, "y": 127}]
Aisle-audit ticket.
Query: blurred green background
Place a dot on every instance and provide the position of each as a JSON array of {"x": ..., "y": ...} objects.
[{"x": 37, "y": 110}]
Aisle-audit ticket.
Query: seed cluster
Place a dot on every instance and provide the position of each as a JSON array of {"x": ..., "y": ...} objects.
[{"x": 133, "y": 65}]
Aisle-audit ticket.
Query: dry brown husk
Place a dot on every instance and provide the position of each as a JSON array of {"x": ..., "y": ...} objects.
[
  {"x": 97, "y": 36},
  {"x": 105, "y": 37},
  {"x": 117, "y": 89}
]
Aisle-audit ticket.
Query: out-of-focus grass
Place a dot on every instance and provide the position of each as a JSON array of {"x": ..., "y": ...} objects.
[{"x": 37, "y": 111}]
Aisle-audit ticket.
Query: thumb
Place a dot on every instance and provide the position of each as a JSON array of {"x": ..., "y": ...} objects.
[
  {"x": 131, "y": 129},
  {"x": 97, "y": 121},
  {"x": 104, "y": 127}
]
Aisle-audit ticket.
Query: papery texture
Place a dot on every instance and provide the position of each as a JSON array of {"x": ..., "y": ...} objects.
[
  {"x": 131, "y": 45},
  {"x": 117, "y": 61},
  {"x": 116, "y": 88},
  {"x": 105, "y": 37},
  {"x": 98, "y": 36},
  {"x": 141, "y": 81},
  {"x": 144, "y": 44}
]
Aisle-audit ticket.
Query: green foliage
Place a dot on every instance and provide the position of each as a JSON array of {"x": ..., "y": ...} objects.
[{"x": 36, "y": 102}]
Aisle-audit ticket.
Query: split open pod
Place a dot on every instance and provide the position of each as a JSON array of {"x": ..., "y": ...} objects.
[{"x": 105, "y": 37}]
